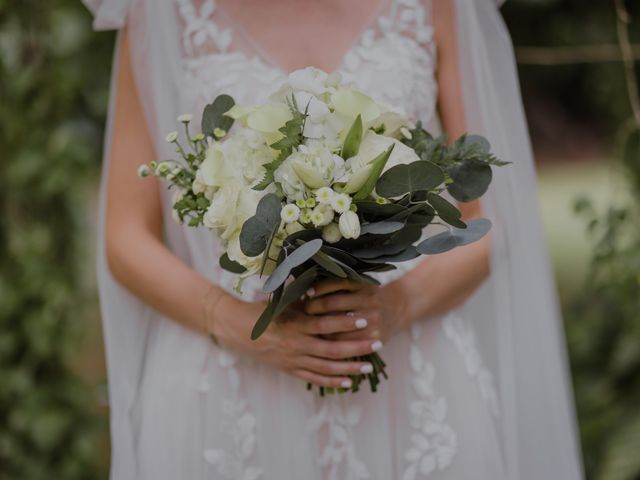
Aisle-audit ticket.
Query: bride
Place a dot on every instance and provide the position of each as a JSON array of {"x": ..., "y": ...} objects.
[{"x": 478, "y": 387}]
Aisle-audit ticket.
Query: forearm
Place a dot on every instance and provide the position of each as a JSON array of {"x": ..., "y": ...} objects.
[
  {"x": 146, "y": 267},
  {"x": 443, "y": 282}
]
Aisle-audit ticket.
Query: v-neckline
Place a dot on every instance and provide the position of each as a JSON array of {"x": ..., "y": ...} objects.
[{"x": 268, "y": 59}]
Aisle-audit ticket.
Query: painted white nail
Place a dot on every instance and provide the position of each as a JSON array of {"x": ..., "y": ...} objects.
[
  {"x": 350, "y": 314},
  {"x": 346, "y": 384},
  {"x": 311, "y": 292},
  {"x": 377, "y": 345},
  {"x": 361, "y": 323},
  {"x": 368, "y": 368}
]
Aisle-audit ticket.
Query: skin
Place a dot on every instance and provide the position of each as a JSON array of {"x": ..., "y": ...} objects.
[{"x": 312, "y": 340}]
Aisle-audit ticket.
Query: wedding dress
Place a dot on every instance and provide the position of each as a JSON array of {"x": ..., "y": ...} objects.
[{"x": 479, "y": 393}]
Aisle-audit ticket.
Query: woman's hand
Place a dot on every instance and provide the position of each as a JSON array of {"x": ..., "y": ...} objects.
[
  {"x": 293, "y": 343},
  {"x": 381, "y": 311}
]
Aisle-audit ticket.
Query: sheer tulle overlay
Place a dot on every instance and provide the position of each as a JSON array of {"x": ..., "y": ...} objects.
[{"x": 455, "y": 405}]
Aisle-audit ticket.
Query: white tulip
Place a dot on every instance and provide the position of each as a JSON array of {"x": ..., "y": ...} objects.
[
  {"x": 341, "y": 202},
  {"x": 351, "y": 103},
  {"x": 349, "y": 225},
  {"x": 290, "y": 213},
  {"x": 322, "y": 215},
  {"x": 331, "y": 233}
]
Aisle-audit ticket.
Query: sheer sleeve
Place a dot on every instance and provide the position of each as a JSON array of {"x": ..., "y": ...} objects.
[{"x": 108, "y": 14}]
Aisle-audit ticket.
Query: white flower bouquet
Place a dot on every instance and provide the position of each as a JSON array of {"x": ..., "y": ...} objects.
[{"x": 321, "y": 182}]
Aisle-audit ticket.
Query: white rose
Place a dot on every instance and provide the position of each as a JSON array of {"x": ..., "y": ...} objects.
[
  {"x": 231, "y": 206},
  {"x": 331, "y": 233},
  {"x": 349, "y": 225}
]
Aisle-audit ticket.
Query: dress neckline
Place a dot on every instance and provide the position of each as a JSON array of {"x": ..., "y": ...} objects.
[{"x": 377, "y": 13}]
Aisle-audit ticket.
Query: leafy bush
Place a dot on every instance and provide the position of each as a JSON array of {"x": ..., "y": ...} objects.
[
  {"x": 51, "y": 116},
  {"x": 604, "y": 335}
]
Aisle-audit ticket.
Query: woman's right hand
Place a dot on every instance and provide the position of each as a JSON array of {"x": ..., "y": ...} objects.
[{"x": 293, "y": 343}]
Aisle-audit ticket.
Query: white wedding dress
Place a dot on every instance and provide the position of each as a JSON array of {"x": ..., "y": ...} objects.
[{"x": 455, "y": 405}]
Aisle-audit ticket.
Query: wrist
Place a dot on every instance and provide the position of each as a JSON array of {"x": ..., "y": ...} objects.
[
  {"x": 215, "y": 304},
  {"x": 399, "y": 291}
]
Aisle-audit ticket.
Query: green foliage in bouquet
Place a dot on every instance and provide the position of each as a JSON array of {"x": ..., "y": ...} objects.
[{"x": 333, "y": 212}]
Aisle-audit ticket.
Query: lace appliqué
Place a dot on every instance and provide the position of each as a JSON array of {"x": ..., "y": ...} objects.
[
  {"x": 463, "y": 337},
  {"x": 433, "y": 443},
  {"x": 333, "y": 421},
  {"x": 401, "y": 49},
  {"x": 198, "y": 27},
  {"x": 241, "y": 425}
]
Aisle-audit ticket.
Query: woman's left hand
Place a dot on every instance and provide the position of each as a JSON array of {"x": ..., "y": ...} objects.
[{"x": 382, "y": 311}]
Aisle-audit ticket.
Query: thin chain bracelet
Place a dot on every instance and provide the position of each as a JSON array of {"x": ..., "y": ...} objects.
[{"x": 209, "y": 306}]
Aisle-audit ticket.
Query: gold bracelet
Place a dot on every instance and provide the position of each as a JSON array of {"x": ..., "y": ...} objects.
[{"x": 209, "y": 306}]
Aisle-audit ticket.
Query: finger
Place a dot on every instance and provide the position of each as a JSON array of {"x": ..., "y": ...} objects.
[
  {"x": 323, "y": 380},
  {"x": 364, "y": 334},
  {"x": 334, "y": 367},
  {"x": 329, "y": 324},
  {"x": 338, "y": 302},
  {"x": 318, "y": 347},
  {"x": 333, "y": 285}
]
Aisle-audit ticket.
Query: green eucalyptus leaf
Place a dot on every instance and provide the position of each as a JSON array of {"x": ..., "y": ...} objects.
[
  {"x": 409, "y": 253},
  {"x": 407, "y": 178},
  {"x": 267, "y": 315},
  {"x": 214, "y": 116},
  {"x": 381, "y": 228},
  {"x": 481, "y": 143},
  {"x": 377, "y": 165},
  {"x": 353, "y": 139},
  {"x": 295, "y": 258},
  {"x": 446, "y": 211},
  {"x": 257, "y": 230},
  {"x": 470, "y": 180},
  {"x": 375, "y": 210},
  {"x": 230, "y": 265},
  {"x": 456, "y": 237},
  {"x": 296, "y": 289},
  {"x": 329, "y": 264}
]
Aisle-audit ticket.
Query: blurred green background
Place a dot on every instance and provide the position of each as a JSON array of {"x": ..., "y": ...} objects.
[{"x": 54, "y": 76}]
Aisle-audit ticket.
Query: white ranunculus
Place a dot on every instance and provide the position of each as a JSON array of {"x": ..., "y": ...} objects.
[
  {"x": 290, "y": 213},
  {"x": 359, "y": 167},
  {"x": 322, "y": 215},
  {"x": 341, "y": 202},
  {"x": 349, "y": 225},
  {"x": 331, "y": 233}
]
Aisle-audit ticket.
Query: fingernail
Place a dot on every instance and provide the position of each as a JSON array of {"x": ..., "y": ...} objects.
[
  {"x": 311, "y": 292},
  {"x": 361, "y": 323},
  {"x": 377, "y": 345},
  {"x": 346, "y": 384},
  {"x": 350, "y": 314},
  {"x": 368, "y": 368}
]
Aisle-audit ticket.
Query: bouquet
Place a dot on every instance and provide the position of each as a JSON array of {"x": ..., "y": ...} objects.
[{"x": 322, "y": 182}]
